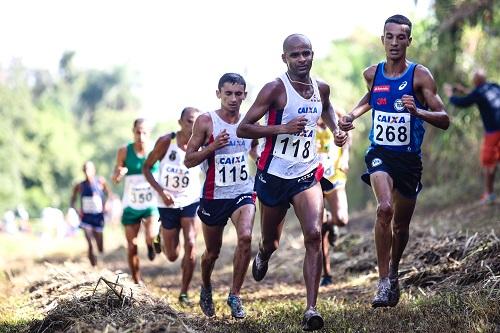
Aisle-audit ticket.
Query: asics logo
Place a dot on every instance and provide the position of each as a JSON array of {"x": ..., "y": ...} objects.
[
  {"x": 402, "y": 85},
  {"x": 261, "y": 178}
]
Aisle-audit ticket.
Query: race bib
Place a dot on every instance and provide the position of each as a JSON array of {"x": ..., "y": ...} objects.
[
  {"x": 138, "y": 193},
  {"x": 92, "y": 204},
  {"x": 391, "y": 129},
  {"x": 175, "y": 179},
  {"x": 329, "y": 168},
  {"x": 297, "y": 147},
  {"x": 231, "y": 169}
]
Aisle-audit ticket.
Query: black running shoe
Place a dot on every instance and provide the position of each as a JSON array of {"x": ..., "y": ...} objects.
[
  {"x": 381, "y": 299},
  {"x": 206, "y": 302},
  {"x": 332, "y": 235},
  {"x": 312, "y": 320},
  {"x": 151, "y": 253},
  {"x": 326, "y": 280},
  {"x": 157, "y": 244},
  {"x": 259, "y": 267},
  {"x": 395, "y": 292}
]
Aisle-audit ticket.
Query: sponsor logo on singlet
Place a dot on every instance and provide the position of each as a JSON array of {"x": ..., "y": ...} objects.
[
  {"x": 376, "y": 162},
  {"x": 398, "y": 105},
  {"x": 390, "y": 119},
  {"x": 402, "y": 85},
  {"x": 383, "y": 88}
]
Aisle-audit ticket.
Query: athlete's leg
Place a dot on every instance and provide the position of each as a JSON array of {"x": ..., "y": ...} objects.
[
  {"x": 88, "y": 236},
  {"x": 489, "y": 178},
  {"x": 131, "y": 232},
  {"x": 403, "y": 211},
  {"x": 149, "y": 229},
  {"x": 382, "y": 186},
  {"x": 243, "y": 222},
  {"x": 272, "y": 220},
  {"x": 325, "y": 247},
  {"x": 98, "y": 236},
  {"x": 170, "y": 239},
  {"x": 188, "y": 262},
  {"x": 213, "y": 243},
  {"x": 308, "y": 206},
  {"x": 337, "y": 200}
]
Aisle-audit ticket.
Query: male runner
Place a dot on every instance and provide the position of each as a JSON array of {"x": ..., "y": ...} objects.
[
  {"x": 335, "y": 160},
  {"x": 179, "y": 191},
  {"x": 92, "y": 191},
  {"x": 402, "y": 95},
  {"x": 228, "y": 188},
  {"x": 289, "y": 169},
  {"x": 139, "y": 201}
]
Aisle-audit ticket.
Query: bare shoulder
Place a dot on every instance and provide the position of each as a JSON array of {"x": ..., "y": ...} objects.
[
  {"x": 423, "y": 74},
  {"x": 273, "y": 88},
  {"x": 369, "y": 73},
  {"x": 164, "y": 140},
  {"x": 323, "y": 86}
]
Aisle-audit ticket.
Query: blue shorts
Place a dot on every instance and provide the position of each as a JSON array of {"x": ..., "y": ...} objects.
[
  {"x": 275, "y": 191},
  {"x": 216, "y": 212},
  {"x": 170, "y": 218},
  {"x": 93, "y": 221},
  {"x": 404, "y": 168}
]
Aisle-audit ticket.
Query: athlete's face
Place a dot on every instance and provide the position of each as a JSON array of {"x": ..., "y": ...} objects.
[
  {"x": 141, "y": 133},
  {"x": 231, "y": 96},
  {"x": 187, "y": 121},
  {"x": 298, "y": 58},
  {"x": 89, "y": 169},
  {"x": 396, "y": 40}
]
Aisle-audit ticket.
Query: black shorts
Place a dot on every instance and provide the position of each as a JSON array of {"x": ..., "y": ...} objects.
[
  {"x": 170, "y": 218},
  {"x": 93, "y": 221},
  {"x": 216, "y": 212},
  {"x": 404, "y": 168},
  {"x": 275, "y": 191}
]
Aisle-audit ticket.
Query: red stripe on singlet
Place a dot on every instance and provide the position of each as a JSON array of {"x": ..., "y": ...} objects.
[
  {"x": 208, "y": 189},
  {"x": 269, "y": 146}
]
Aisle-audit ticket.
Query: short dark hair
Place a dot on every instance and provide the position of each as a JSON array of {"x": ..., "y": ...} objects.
[
  {"x": 399, "y": 19},
  {"x": 138, "y": 122},
  {"x": 232, "y": 78},
  {"x": 186, "y": 109}
]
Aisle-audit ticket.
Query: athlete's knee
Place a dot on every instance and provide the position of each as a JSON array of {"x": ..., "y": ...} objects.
[
  {"x": 132, "y": 249},
  {"x": 211, "y": 255},
  {"x": 172, "y": 256},
  {"x": 341, "y": 220},
  {"x": 385, "y": 213},
  {"x": 312, "y": 237},
  {"x": 245, "y": 240}
]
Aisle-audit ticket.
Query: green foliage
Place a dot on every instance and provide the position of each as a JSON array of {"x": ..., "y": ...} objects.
[{"x": 51, "y": 125}]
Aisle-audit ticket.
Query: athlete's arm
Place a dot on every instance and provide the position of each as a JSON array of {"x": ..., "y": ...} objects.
[
  {"x": 158, "y": 152},
  {"x": 328, "y": 114},
  {"x": 253, "y": 151},
  {"x": 345, "y": 122},
  {"x": 424, "y": 82},
  {"x": 74, "y": 195},
  {"x": 266, "y": 99},
  {"x": 201, "y": 130},
  {"x": 120, "y": 169}
]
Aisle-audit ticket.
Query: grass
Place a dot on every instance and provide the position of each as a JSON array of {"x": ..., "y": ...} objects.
[{"x": 447, "y": 312}]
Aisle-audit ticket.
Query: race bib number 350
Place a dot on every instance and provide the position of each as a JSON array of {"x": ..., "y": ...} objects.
[
  {"x": 231, "y": 169},
  {"x": 391, "y": 129},
  {"x": 297, "y": 147}
]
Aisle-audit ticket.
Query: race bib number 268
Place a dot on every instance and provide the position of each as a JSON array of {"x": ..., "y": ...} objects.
[{"x": 391, "y": 129}]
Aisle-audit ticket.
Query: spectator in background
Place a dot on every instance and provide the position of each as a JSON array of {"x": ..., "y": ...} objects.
[{"x": 486, "y": 95}]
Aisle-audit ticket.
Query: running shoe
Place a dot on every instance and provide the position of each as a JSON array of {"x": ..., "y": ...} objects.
[
  {"x": 326, "y": 280},
  {"x": 151, "y": 253},
  {"x": 312, "y": 320},
  {"x": 381, "y": 299},
  {"x": 332, "y": 235},
  {"x": 206, "y": 302},
  {"x": 157, "y": 244},
  {"x": 184, "y": 300},
  {"x": 259, "y": 267},
  {"x": 395, "y": 292},
  {"x": 488, "y": 199},
  {"x": 237, "y": 310}
]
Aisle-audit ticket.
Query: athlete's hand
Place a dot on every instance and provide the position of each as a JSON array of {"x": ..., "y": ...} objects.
[
  {"x": 448, "y": 89},
  {"x": 295, "y": 125},
  {"x": 340, "y": 138},
  {"x": 122, "y": 171},
  {"x": 221, "y": 140},
  {"x": 167, "y": 198},
  {"x": 345, "y": 123},
  {"x": 409, "y": 103}
]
